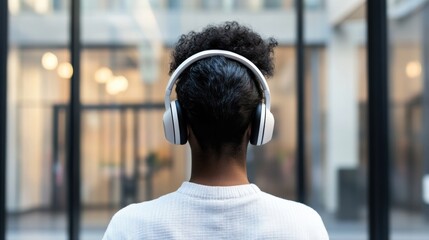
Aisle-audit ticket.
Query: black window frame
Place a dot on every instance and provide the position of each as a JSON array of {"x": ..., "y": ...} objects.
[
  {"x": 378, "y": 121},
  {"x": 74, "y": 127},
  {"x": 3, "y": 111}
]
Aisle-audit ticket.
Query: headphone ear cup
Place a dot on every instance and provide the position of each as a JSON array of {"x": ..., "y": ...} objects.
[
  {"x": 174, "y": 124},
  {"x": 256, "y": 123},
  {"x": 167, "y": 120},
  {"x": 262, "y": 126},
  {"x": 181, "y": 120},
  {"x": 269, "y": 127}
]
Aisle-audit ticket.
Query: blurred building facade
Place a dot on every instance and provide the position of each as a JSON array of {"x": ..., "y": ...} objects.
[{"x": 126, "y": 46}]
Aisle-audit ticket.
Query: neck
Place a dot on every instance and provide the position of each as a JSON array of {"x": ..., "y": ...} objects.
[{"x": 219, "y": 169}]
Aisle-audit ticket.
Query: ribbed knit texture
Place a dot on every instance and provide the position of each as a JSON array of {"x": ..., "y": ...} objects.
[{"x": 205, "y": 212}]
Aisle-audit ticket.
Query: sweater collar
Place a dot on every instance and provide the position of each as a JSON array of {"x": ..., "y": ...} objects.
[{"x": 218, "y": 192}]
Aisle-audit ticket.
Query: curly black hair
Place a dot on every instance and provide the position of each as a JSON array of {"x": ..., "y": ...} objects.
[
  {"x": 219, "y": 96},
  {"x": 229, "y": 36}
]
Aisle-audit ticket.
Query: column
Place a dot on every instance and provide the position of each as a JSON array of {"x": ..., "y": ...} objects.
[{"x": 342, "y": 112}]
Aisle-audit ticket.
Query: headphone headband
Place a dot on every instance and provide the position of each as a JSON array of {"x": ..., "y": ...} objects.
[{"x": 209, "y": 53}]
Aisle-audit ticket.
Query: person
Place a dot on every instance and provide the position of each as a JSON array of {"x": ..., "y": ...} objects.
[{"x": 222, "y": 105}]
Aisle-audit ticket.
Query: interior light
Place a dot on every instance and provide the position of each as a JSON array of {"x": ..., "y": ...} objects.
[
  {"x": 116, "y": 85},
  {"x": 413, "y": 69},
  {"x": 65, "y": 70},
  {"x": 41, "y": 6},
  {"x": 14, "y": 7},
  {"x": 103, "y": 75},
  {"x": 49, "y": 61}
]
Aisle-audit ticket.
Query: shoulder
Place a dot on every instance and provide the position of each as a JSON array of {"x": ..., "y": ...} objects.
[
  {"x": 281, "y": 203},
  {"x": 123, "y": 223},
  {"x": 140, "y": 211},
  {"x": 135, "y": 219},
  {"x": 295, "y": 213}
]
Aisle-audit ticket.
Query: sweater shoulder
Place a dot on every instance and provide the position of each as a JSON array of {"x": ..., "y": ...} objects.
[
  {"x": 288, "y": 207},
  {"x": 138, "y": 219},
  {"x": 146, "y": 208},
  {"x": 142, "y": 210},
  {"x": 287, "y": 204},
  {"x": 305, "y": 217}
]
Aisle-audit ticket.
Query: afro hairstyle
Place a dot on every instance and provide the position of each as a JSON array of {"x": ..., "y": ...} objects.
[{"x": 219, "y": 96}]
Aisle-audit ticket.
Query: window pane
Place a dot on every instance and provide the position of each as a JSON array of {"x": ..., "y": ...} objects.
[
  {"x": 336, "y": 125},
  {"x": 409, "y": 111},
  {"x": 125, "y": 157},
  {"x": 38, "y": 83}
]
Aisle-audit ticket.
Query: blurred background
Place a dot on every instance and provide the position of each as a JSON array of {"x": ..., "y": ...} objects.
[{"x": 126, "y": 47}]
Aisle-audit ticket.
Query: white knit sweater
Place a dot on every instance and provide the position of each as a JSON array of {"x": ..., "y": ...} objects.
[{"x": 205, "y": 212}]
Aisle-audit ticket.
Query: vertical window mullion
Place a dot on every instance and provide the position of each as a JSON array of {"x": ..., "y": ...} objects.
[
  {"x": 378, "y": 141},
  {"x": 3, "y": 112},
  {"x": 73, "y": 127}
]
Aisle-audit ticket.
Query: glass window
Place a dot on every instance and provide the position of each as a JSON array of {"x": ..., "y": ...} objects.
[
  {"x": 124, "y": 70},
  {"x": 125, "y": 157},
  {"x": 38, "y": 84},
  {"x": 198, "y": 5},
  {"x": 409, "y": 110},
  {"x": 336, "y": 125}
]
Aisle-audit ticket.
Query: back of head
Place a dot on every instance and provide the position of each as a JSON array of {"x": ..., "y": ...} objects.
[{"x": 219, "y": 95}]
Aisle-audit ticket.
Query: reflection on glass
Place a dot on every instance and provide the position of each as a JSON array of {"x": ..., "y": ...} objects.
[
  {"x": 36, "y": 126},
  {"x": 413, "y": 69},
  {"x": 36, "y": 163},
  {"x": 125, "y": 157},
  {"x": 103, "y": 75},
  {"x": 116, "y": 85},
  {"x": 49, "y": 61},
  {"x": 124, "y": 70},
  {"x": 65, "y": 70},
  {"x": 336, "y": 109},
  {"x": 409, "y": 108}
]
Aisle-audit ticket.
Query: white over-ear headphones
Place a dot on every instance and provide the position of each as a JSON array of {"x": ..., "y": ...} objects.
[{"x": 175, "y": 128}]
